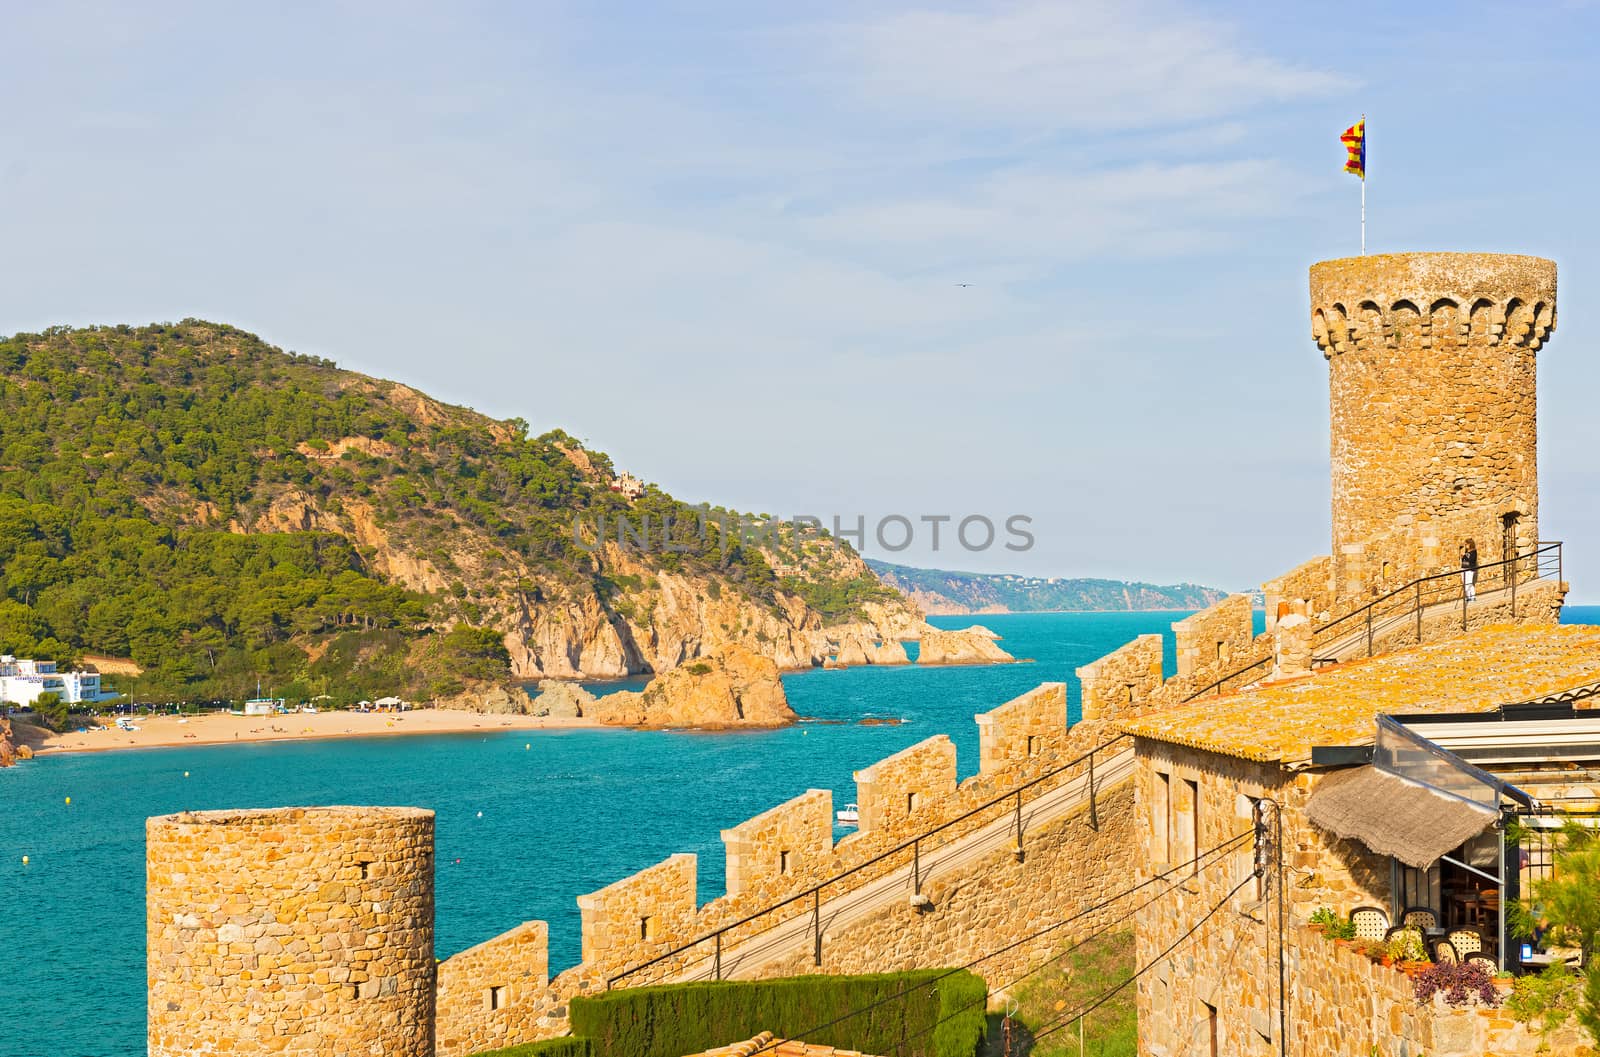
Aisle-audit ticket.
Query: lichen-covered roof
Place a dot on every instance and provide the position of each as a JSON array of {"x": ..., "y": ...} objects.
[{"x": 1474, "y": 673}]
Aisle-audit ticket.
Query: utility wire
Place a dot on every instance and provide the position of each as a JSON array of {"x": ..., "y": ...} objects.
[
  {"x": 1106, "y": 996},
  {"x": 1190, "y": 864}
]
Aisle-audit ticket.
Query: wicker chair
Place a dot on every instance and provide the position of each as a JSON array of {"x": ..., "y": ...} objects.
[
  {"x": 1445, "y": 953},
  {"x": 1488, "y": 961},
  {"x": 1422, "y": 917},
  {"x": 1466, "y": 941},
  {"x": 1372, "y": 923}
]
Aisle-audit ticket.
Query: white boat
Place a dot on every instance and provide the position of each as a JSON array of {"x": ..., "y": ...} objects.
[{"x": 849, "y": 815}]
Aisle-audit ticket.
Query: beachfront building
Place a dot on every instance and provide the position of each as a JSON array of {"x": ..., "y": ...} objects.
[{"x": 22, "y": 681}]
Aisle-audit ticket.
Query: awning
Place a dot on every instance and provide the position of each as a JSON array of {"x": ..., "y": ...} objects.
[{"x": 1395, "y": 816}]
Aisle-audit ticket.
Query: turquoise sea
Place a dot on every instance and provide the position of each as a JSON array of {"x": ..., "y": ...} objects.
[{"x": 576, "y": 811}]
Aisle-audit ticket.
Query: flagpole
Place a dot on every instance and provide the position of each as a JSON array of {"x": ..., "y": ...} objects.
[{"x": 1363, "y": 185}]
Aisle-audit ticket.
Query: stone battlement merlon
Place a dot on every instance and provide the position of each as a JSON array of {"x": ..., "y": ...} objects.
[{"x": 1491, "y": 298}]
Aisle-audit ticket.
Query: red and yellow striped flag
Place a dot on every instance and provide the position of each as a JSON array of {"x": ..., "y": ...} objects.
[{"x": 1355, "y": 143}]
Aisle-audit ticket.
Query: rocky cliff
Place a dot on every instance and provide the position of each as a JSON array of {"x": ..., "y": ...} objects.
[
  {"x": 964, "y": 646},
  {"x": 11, "y": 747},
  {"x": 733, "y": 687}
]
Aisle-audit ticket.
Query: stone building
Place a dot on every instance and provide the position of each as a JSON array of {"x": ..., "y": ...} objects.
[{"x": 1246, "y": 770}]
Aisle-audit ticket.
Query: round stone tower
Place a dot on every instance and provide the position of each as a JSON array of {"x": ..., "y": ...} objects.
[
  {"x": 295, "y": 931},
  {"x": 1432, "y": 402}
]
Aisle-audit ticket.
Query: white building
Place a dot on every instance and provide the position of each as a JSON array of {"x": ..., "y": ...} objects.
[{"x": 22, "y": 681}]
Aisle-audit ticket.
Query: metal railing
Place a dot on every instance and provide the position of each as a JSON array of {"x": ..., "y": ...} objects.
[
  {"x": 716, "y": 938},
  {"x": 1414, "y": 599}
]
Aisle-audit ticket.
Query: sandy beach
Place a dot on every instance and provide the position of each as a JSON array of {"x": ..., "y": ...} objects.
[{"x": 224, "y": 729}]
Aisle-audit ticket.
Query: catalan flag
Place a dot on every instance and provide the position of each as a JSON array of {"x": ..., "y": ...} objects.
[{"x": 1355, "y": 143}]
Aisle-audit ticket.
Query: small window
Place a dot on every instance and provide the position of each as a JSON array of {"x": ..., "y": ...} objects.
[
  {"x": 1033, "y": 744},
  {"x": 366, "y": 870},
  {"x": 497, "y": 997},
  {"x": 783, "y": 862},
  {"x": 1130, "y": 693},
  {"x": 1222, "y": 653},
  {"x": 352, "y": 991},
  {"x": 1160, "y": 817},
  {"x": 1193, "y": 789},
  {"x": 647, "y": 927},
  {"x": 911, "y": 802}
]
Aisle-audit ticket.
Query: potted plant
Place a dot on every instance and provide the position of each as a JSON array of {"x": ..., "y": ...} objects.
[
  {"x": 1457, "y": 984},
  {"x": 1405, "y": 948}
]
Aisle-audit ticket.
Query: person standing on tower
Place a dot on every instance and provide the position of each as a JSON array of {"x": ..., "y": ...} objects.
[{"x": 1469, "y": 569}]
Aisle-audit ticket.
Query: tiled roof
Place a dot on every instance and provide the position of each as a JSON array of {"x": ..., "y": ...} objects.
[
  {"x": 763, "y": 1045},
  {"x": 1474, "y": 673}
]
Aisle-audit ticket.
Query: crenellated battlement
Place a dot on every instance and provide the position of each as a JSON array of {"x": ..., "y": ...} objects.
[{"x": 1427, "y": 300}]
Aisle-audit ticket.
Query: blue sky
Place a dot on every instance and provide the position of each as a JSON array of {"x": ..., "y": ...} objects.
[{"x": 722, "y": 241}]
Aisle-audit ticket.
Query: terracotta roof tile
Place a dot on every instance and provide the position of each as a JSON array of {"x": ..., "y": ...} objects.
[{"x": 1473, "y": 673}]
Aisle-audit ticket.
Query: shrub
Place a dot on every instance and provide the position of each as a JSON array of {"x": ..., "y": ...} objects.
[
  {"x": 51, "y": 712},
  {"x": 1406, "y": 946},
  {"x": 1332, "y": 925},
  {"x": 1549, "y": 997},
  {"x": 1460, "y": 982},
  {"x": 926, "y": 1013}
]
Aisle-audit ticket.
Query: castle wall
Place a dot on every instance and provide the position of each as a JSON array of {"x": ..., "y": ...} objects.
[
  {"x": 1215, "y": 640},
  {"x": 912, "y": 782},
  {"x": 1432, "y": 400},
  {"x": 972, "y": 911},
  {"x": 644, "y": 915},
  {"x": 794, "y": 839},
  {"x": 485, "y": 993},
  {"x": 1030, "y": 725},
  {"x": 1309, "y": 582},
  {"x": 306, "y": 932},
  {"x": 1123, "y": 681}
]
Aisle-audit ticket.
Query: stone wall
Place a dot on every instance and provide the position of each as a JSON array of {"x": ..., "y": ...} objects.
[
  {"x": 1123, "y": 681},
  {"x": 1309, "y": 582},
  {"x": 996, "y": 901},
  {"x": 484, "y": 992},
  {"x": 1030, "y": 725},
  {"x": 1344, "y": 1005},
  {"x": 295, "y": 931},
  {"x": 1216, "y": 640},
  {"x": 1431, "y": 395},
  {"x": 644, "y": 915},
  {"x": 912, "y": 781},
  {"x": 793, "y": 839}
]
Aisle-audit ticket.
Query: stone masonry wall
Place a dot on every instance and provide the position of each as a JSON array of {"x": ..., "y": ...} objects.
[
  {"x": 1189, "y": 801},
  {"x": 1344, "y": 1005},
  {"x": 1123, "y": 681},
  {"x": 1029, "y": 725},
  {"x": 1067, "y": 866},
  {"x": 1213, "y": 642},
  {"x": 645, "y": 914},
  {"x": 913, "y": 780},
  {"x": 1310, "y": 582},
  {"x": 484, "y": 990},
  {"x": 306, "y": 932},
  {"x": 1431, "y": 394},
  {"x": 795, "y": 838},
  {"x": 537, "y": 1014}
]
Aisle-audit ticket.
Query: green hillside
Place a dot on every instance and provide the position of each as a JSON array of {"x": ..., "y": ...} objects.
[
  {"x": 941, "y": 589},
  {"x": 221, "y": 511}
]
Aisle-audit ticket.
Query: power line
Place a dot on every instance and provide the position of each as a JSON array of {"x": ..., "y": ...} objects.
[
  {"x": 1106, "y": 996},
  {"x": 1191, "y": 864}
]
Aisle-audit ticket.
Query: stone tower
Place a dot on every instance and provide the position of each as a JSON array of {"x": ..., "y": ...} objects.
[
  {"x": 305, "y": 932},
  {"x": 1432, "y": 402}
]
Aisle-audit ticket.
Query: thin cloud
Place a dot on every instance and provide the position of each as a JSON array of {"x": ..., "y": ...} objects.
[{"x": 1092, "y": 65}]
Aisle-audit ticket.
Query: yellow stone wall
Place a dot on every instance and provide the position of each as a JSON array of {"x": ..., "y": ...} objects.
[
  {"x": 1123, "y": 681},
  {"x": 485, "y": 992},
  {"x": 913, "y": 783},
  {"x": 1432, "y": 402},
  {"x": 644, "y": 915},
  {"x": 1215, "y": 640},
  {"x": 792, "y": 840},
  {"x": 306, "y": 932},
  {"x": 1030, "y": 725}
]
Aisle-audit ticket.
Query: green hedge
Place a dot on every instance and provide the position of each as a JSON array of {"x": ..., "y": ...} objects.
[
  {"x": 934, "y": 1017},
  {"x": 566, "y": 1047}
]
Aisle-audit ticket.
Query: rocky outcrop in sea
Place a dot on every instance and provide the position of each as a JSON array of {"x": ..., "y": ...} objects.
[
  {"x": 963, "y": 646},
  {"x": 733, "y": 687}
]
